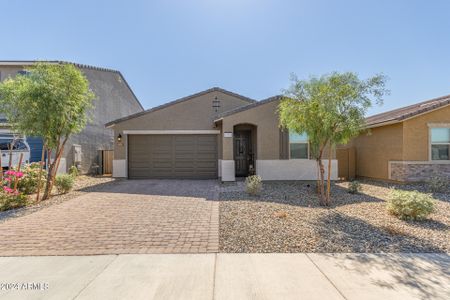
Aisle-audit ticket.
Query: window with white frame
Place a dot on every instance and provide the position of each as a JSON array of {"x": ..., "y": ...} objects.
[
  {"x": 298, "y": 146},
  {"x": 440, "y": 143}
]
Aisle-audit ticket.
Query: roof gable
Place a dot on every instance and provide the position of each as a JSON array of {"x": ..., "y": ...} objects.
[{"x": 180, "y": 100}]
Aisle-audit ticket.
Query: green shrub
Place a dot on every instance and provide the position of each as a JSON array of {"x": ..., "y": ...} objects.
[
  {"x": 64, "y": 183},
  {"x": 354, "y": 187},
  {"x": 410, "y": 205},
  {"x": 11, "y": 201},
  {"x": 73, "y": 171},
  {"x": 438, "y": 184},
  {"x": 29, "y": 182},
  {"x": 253, "y": 184}
]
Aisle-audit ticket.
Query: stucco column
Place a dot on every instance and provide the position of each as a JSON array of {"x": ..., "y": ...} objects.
[
  {"x": 120, "y": 164},
  {"x": 227, "y": 168}
]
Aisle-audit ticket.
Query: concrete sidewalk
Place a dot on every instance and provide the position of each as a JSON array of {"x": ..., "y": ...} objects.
[{"x": 227, "y": 276}]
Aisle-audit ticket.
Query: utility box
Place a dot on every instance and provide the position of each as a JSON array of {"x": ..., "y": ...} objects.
[{"x": 77, "y": 155}]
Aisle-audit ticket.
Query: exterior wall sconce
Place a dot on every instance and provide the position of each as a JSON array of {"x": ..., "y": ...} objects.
[{"x": 119, "y": 138}]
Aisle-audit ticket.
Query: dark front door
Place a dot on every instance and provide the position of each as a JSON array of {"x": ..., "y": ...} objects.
[{"x": 242, "y": 152}]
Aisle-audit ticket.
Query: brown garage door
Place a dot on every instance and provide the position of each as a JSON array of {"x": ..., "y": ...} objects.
[{"x": 172, "y": 156}]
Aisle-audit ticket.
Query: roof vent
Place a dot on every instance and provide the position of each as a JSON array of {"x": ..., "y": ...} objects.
[{"x": 216, "y": 104}]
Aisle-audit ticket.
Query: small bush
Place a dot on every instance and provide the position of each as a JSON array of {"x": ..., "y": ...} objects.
[
  {"x": 438, "y": 184},
  {"x": 410, "y": 205},
  {"x": 30, "y": 180},
  {"x": 354, "y": 187},
  {"x": 253, "y": 184},
  {"x": 73, "y": 171},
  {"x": 64, "y": 183},
  {"x": 11, "y": 200}
]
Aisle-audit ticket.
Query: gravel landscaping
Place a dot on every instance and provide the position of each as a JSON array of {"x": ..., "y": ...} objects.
[
  {"x": 286, "y": 217},
  {"x": 83, "y": 184}
]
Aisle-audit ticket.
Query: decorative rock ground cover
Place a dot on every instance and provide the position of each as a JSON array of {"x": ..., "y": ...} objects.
[{"x": 286, "y": 217}]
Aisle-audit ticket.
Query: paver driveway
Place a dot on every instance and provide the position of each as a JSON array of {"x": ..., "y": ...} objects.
[{"x": 131, "y": 216}]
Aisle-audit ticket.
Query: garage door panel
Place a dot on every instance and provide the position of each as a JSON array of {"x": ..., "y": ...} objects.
[
  {"x": 184, "y": 165},
  {"x": 172, "y": 156},
  {"x": 157, "y": 157},
  {"x": 137, "y": 165},
  {"x": 161, "y": 165},
  {"x": 206, "y": 156},
  {"x": 205, "y": 164}
]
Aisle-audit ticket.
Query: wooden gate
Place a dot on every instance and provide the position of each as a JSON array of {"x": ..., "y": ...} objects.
[
  {"x": 346, "y": 158},
  {"x": 107, "y": 161}
]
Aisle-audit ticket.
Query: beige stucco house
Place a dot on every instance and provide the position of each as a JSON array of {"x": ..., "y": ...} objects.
[
  {"x": 211, "y": 134},
  {"x": 407, "y": 144}
]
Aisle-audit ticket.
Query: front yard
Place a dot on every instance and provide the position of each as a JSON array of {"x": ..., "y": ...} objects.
[{"x": 286, "y": 217}]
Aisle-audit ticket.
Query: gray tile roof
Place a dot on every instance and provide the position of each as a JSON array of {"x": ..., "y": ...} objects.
[
  {"x": 400, "y": 114},
  {"x": 31, "y": 62},
  {"x": 214, "y": 89}
]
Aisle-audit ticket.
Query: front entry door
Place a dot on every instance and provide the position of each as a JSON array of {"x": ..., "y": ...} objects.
[{"x": 242, "y": 152}]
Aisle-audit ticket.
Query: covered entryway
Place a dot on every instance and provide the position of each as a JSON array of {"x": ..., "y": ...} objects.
[
  {"x": 244, "y": 149},
  {"x": 180, "y": 156}
]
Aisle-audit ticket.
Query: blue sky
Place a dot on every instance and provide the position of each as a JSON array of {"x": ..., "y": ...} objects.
[{"x": 170, "y": 49}]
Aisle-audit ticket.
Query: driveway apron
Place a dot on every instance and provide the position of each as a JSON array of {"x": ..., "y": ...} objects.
[{"x": 129, "y": 217}]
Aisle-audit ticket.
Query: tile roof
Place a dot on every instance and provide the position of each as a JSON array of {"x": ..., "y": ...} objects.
[
  {"x": 214, "y": 89},
  {"x": 31, "y": 62},
  {"x": 400, "y": 114}
]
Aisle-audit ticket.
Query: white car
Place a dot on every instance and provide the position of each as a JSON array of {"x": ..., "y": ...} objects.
[{"x": 19, "y": 146}]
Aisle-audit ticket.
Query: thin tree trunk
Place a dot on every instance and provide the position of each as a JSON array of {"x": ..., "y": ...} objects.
[
  {"x": 321, "y": 192},
  {"x": 330, "y": 153},
  {"x": 41, "y": 166},
  {"x": 49, "y": 174},
  {"x": 16, "y": 179},
  {"x": 57, "y": 164},
  {"x": 318, "y": 177},
  {"x": 49, "y": 151},
  {"x": 322, "y": 183},
  {"x": 53, "y": 172},
  {"x": 58, "y": 153},
  {"x": 52, "y": 169}
]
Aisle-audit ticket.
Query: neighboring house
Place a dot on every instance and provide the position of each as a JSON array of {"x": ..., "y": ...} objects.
[
  {"x": 114, "y": 99},
  {"x": 211, "y": 134},
  {"x": 406, "y": 144}
]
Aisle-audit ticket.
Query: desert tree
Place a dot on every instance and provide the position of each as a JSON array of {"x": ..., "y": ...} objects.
[
  {"x": 331, "y": 110},
  {"x": 51, "y": 101}
]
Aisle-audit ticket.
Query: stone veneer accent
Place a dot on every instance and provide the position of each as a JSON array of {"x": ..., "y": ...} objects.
[{"x": 417, "y": 171}]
